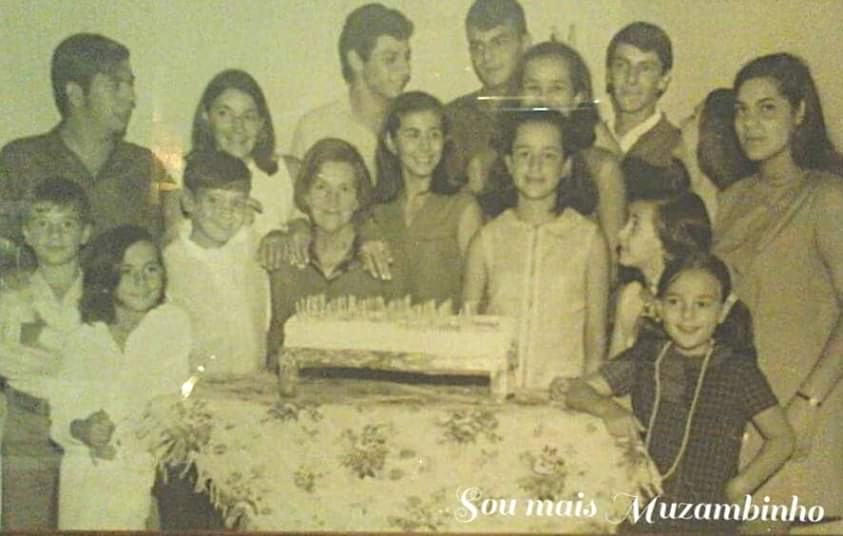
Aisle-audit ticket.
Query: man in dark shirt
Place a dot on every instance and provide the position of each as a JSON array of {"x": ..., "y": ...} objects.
[
  {"x": 94, "y": 91},
  {"x": 497, "y": 38},
  {"x": 93, "y": 85}
]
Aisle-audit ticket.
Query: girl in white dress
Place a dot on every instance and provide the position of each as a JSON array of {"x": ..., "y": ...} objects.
[
  {"x": 130, "y": 349},
  {"x": 541, "y": 261}
]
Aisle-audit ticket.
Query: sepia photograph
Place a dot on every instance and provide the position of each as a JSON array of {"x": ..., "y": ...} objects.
[{"x": 470, "y": 266}]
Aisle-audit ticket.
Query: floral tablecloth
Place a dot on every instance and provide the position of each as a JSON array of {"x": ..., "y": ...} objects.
[{"x": 380, "y": 456}]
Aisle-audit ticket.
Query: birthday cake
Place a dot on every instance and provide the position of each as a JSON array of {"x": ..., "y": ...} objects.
[{"x": 398, "y": 336}]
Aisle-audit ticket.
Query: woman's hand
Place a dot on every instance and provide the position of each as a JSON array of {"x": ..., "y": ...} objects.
[
  {"x": 278, "y": 247},
  {"x": 376, "y": 258},
  {"x": 803, "y": 418},
  {"x": 271, "y": 252}
]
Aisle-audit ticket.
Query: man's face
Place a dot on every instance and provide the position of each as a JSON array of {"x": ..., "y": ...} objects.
[
  {"x": 495, "y": 53},
  {"x": 111, "y": 99},
  {"x": 387, "y": 70},
  {"x": 638, "y": 79}
]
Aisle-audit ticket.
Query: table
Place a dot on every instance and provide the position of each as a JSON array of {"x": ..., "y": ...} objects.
[{"x": 382, "y": 456}]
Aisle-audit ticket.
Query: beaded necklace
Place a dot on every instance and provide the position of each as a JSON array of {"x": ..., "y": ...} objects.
[{"x": 691, "y": 411}]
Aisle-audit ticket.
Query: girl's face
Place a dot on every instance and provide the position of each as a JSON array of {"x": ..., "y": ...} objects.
[
  {"x": 332, "y": 197},
  {"x": 141, "y": 279},
  {"x": 639, "y": 241},
  {"x": 691, "y": 309},
  {"x": 547, "y": 82},
  {"x": 765, "y": 120},
  {"x": 235, "y": 122},
  {"x": 419, "y": 143},
  {"x": 537, "y": 163}
]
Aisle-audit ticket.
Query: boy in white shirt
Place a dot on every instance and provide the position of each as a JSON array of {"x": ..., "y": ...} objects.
[
  {"x": 35, "y": 317},
  {"x": 212, "y": 269}
]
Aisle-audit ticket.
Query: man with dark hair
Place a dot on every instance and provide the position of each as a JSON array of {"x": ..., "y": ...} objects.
[
  {"x": 93, "y": 86},
  {"x": 497, "y": 38},
  {"x": 374, "y": 49},
  {"x": 639, "y": 60}
]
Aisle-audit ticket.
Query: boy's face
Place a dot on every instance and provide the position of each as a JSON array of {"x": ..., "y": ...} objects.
[
  {"x": 56, "y": 233},
  {"x": 495, "y": 53},
  {"x": 217, "y": 214},
  {"x": 638, "y": 79},
  {"x": 387, "y": 70}
]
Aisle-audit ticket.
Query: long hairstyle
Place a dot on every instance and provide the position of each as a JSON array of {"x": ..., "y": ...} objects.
[
  {"x": 719, "y": 153},
  {"x": 810, "y": 145},
  {"x": 577, "y": 190},
  {"x": 203, "y": 139},
  {"x": 101, "y": 269},
  {"x": 390, "y": 180},
  {"x": 736, "y": 329},
  {"x": 583, "y": 116}
]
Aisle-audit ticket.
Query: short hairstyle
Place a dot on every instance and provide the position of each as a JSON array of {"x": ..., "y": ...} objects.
[
  {"x": 644, "y": 36},
  {"x": 390, "y": 181},
  {"x": 78, "y": 59},
  {"x": 59, "y": 192},
  {"x": 810, "y": 144},
  {"x": 719, "y": 153},
  {"x": 364, "y": 26},
  {"x": 334, "y": 150},
  {"x": 577, "y": 191},
  {"x": 202, "y": 137},
  {"x": 101, "y": 271},
  {"x": 216, "y": 170},
  {"x": 487, "y": 14}
]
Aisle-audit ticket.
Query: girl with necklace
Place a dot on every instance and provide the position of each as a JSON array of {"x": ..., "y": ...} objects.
[{"x": 694, "y": 388}]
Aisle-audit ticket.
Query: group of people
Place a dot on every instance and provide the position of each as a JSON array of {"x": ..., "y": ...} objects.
[{"x": 514, "y": 200}]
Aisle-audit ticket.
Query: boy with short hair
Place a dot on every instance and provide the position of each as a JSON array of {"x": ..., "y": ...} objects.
[
  {"x": 497, "y": 36},
  {"x": 35, "y": 317},
  {"x": 639, "y": 61},
  {"x": 212, "y": 269},
  {"x": 374, "y": 50}
]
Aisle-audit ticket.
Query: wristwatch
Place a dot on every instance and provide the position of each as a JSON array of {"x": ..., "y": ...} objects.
[{"x": 812, "y": 401}]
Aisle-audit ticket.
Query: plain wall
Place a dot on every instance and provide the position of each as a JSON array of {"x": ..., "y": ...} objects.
[{"x": 290, "y": 47}]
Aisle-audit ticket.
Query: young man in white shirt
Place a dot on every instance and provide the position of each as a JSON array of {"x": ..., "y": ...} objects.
[
  {"x": 375, "y": 55},
  {"x": 212, "y": 270},
  {"x": 639, "y": 61},
  {"x": 35, "y": 318}
]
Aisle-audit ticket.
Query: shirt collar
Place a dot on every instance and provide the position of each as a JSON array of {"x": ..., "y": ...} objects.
[
  {"x": 628, "y": 140},
  {"x": 348, "y": 263},
  {"x": 42, "y": 293}
]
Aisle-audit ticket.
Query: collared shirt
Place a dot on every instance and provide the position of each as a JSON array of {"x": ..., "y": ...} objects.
[
  {"x": 125, "y": 190},
  {"x": 628, "y": 140},
  {"x": 34, "y": 324},
  {"x": 335, "y": 120},
  {"x": 226, "y": 294}
]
